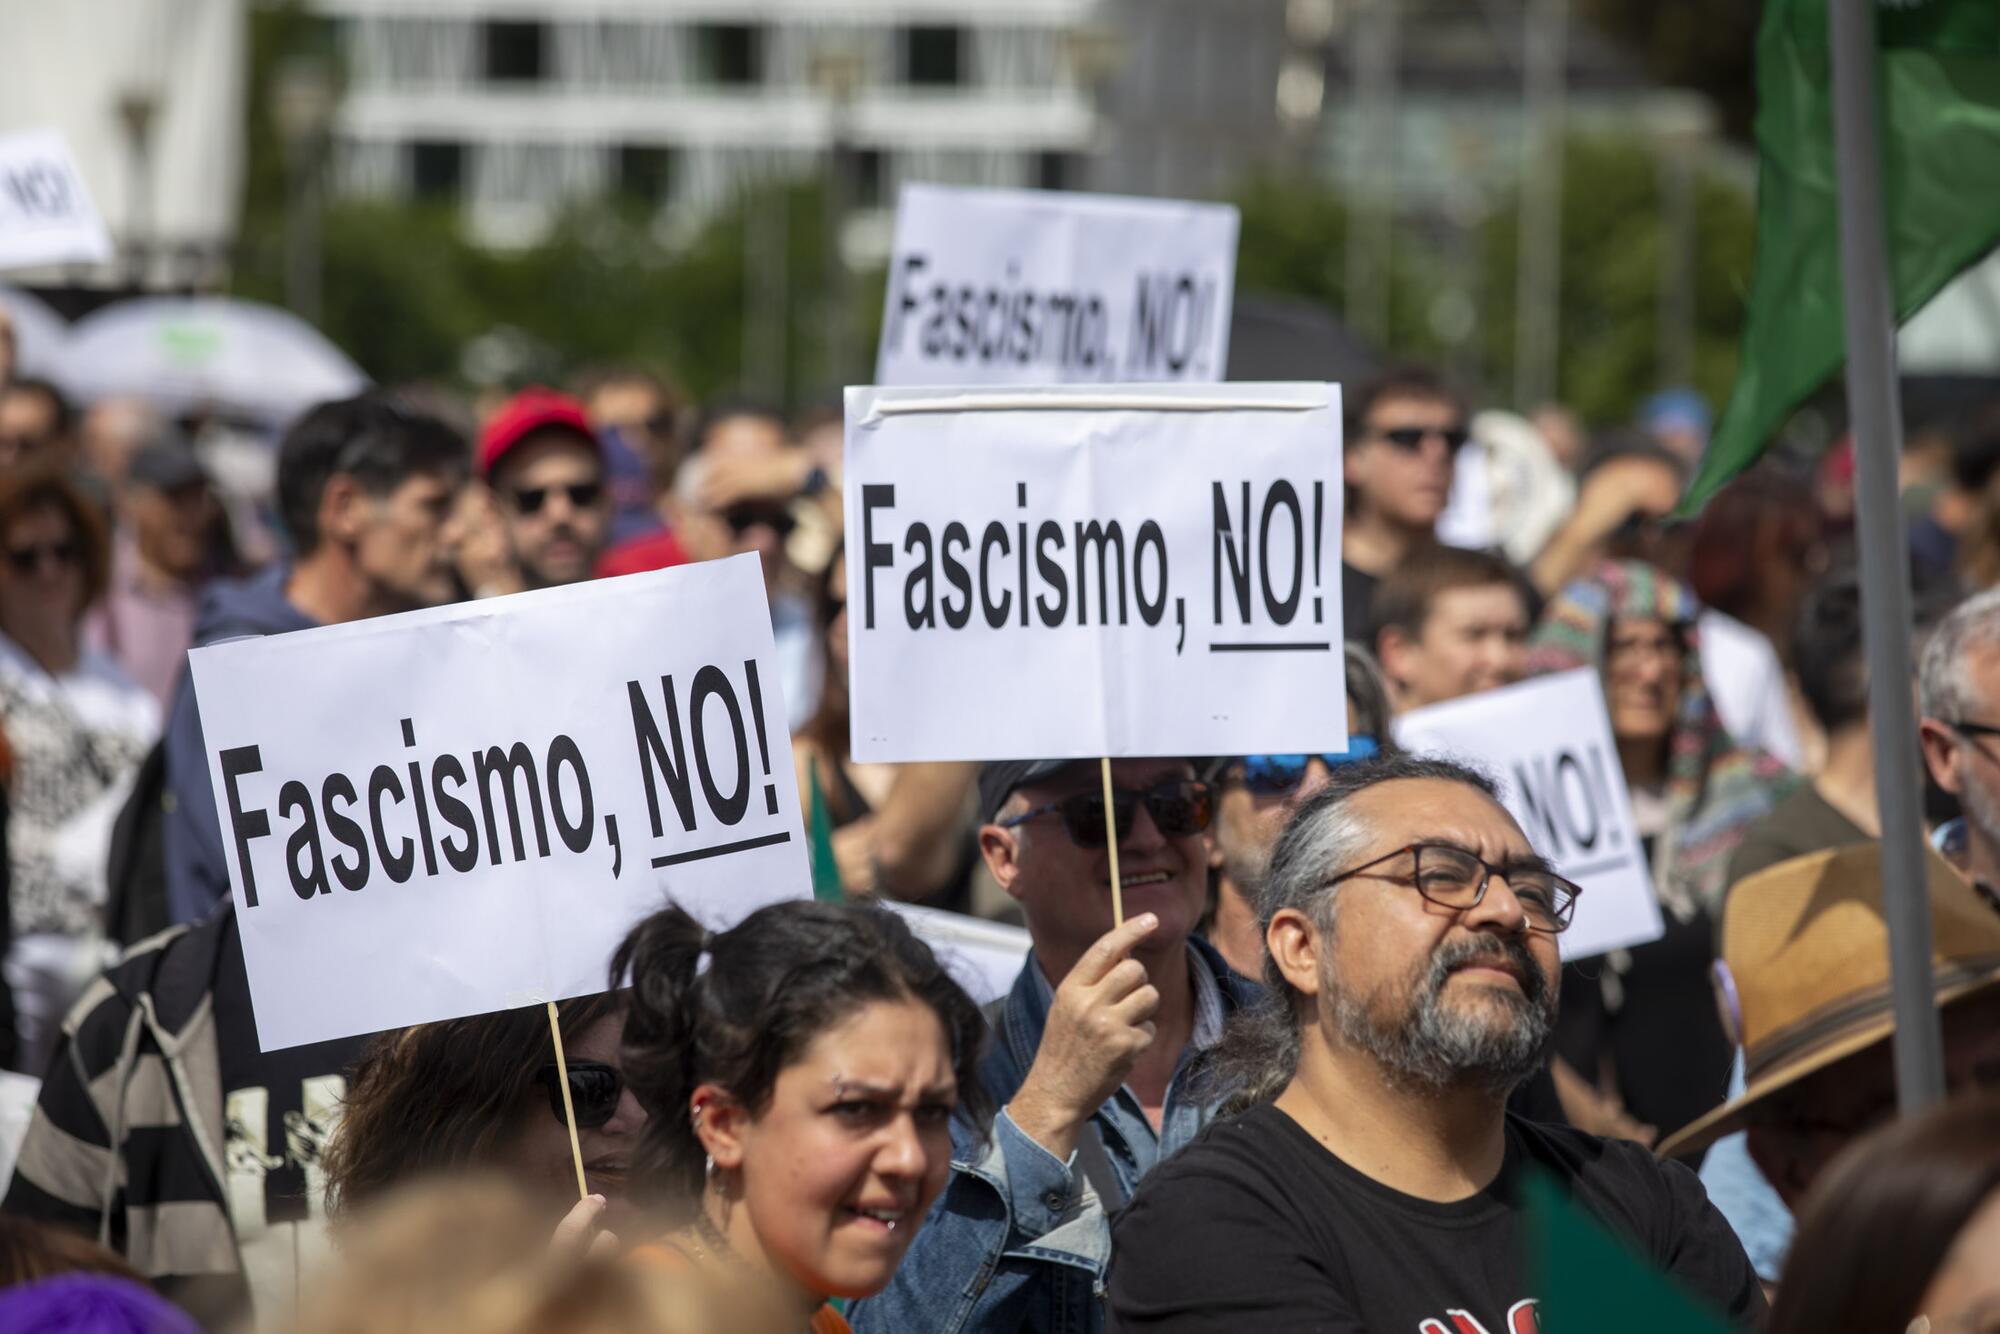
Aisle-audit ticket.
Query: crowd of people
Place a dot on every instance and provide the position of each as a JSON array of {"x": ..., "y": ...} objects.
[{"x": 1302, "y": 1085}]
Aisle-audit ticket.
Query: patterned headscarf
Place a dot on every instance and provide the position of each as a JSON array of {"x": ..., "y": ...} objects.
[{"x": 1715, "y": 789}]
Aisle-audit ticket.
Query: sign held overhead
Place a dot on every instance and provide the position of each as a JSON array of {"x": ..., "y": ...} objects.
[
  {"x": 1138, "y": 570},
  {"x": 454, "y": 811},
  {"x": 1042, "y": 287},
  {"x": 46, "y": 216}
]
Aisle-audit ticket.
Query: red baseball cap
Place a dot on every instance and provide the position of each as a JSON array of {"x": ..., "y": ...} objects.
[{"x": 531, "y": 410}]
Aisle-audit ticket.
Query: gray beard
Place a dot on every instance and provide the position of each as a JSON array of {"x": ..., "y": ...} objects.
[{"x": 1438, "y": 1046}]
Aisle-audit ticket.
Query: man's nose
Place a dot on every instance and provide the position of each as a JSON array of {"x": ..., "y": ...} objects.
[
  {"x": 1143, "y": 835},
  {"x": 1498, "y": 907}
]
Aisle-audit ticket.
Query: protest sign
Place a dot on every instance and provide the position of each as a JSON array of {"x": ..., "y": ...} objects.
[
  {"x": 1137, "y": 570},
  {"x": 983, "y": 957},
  {"x": 464, "y": 809},
  {"x": 46, "y": 216},
  {"x": 1548, "y": 742},
  {"x": 1041, "y": 287}
]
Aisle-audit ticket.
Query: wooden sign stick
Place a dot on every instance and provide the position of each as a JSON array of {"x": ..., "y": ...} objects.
[
  {"x": 569, "y": 1107},
  {"x": 1111, "y": 845}
]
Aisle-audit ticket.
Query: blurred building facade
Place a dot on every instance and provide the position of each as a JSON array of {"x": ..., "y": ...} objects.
[{"x": 515, "y": 108}]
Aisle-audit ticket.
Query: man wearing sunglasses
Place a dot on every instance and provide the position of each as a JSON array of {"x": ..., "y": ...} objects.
[
  {"x": 1372, "y": 1180},
  {"x": 1404, "y": 431},
  {"x": 546, "y": 470},
  {"x": 1090, "y": 1050}
]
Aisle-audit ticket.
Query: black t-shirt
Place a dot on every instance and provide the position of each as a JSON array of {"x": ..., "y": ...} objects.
[
  {"x": 1256, "y": 1226},
  {"x": 1357, "y": 605}
]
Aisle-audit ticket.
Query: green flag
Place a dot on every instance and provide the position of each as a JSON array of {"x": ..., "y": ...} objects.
[
  {"x": 1585, "y": 1275},
  {"x": 1938, "y": 76},
  {"x": 819, "y": 833}
]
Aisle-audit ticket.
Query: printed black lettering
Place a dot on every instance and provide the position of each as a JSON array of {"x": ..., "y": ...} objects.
[
  {"x": 244, "y": 825},
  {"x": 1053, "y": 573},
  {"x": 1150, "y": 538},
  {"x": 310, "y": 878},
  {"x": 956, "y": 574},
  {"x": 874, "y": 555},
  {"x": 399, "y": 866},
  {"x": 919, "y": 616},
  {"x": 996, "y": 612},
  {"x": 1109, "y": 540},
  {"x": 576, "y": 837},
  {"x": 516, "y": 761},
  {"x": 455, "y": 812},
  {"x": 711, "y": 683},
  {"x": 653, "y": 754},
  {"x": 338, "y": 787}
]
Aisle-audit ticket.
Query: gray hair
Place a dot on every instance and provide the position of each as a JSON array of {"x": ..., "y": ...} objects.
[
  {"x": 1368, "y": 692},
  {"x": 1943, "y": 690},
  {"x": 1325, "y": 837}
]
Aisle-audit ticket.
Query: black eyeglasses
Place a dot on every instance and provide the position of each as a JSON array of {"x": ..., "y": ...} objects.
[
  {"x": 582, "y": 495},
  {"x": 25, "y": 560},
  {"x": 1454, "y": 878},
  {"x": 594, "y": 1090},
  {"x": 1410, "y": 439},
  {"x": 1179, "y": 807},
  {"x": 1974, "y": 729}
]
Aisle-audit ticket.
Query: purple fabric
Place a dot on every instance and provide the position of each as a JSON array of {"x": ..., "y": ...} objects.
[{"x": 90, "y": 1304}]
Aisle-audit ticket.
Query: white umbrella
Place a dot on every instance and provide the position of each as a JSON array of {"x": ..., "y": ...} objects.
[
  {"x": 40, "y": 335},
  {"x": 183, "y": 353}
]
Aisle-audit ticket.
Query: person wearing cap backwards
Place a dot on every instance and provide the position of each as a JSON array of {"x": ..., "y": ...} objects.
[
  {"x": 1364, "y": 1173},
  {"x": 545, "y": 467},
  {"x": 1804, "y": 987},
  {"x": 169, "y": 540},
  {"x": 1090, "y": 1051}
]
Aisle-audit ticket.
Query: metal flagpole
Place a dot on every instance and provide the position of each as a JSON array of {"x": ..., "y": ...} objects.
[{"x": 1875, "y": 407}]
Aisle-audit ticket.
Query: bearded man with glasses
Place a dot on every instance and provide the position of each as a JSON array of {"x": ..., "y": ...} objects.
[
  {"x": 1090, "y": 1052},
  {"x": 1365, "y": 1174},
  {"x": 545, "y": 466}
]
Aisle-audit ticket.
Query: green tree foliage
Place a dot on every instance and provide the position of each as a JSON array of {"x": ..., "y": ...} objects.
[{"x": 1292, "y": 243}]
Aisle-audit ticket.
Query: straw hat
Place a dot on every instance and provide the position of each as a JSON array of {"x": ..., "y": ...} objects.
[{"x": 1804, "y": 976}]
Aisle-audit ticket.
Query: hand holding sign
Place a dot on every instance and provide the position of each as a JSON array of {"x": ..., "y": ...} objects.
[{"x": 1099, "y": 1023}]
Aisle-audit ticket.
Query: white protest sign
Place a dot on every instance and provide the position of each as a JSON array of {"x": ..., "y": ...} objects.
[
  {"x": 1548, "y": 742},
  {"x": 1041, "y": 287},
  {"x": 1061, "y": 573},
  {"x": 464, "y": 809},
  {"x": 983, "y": 957},
  {"x": 46, "y": 216}
]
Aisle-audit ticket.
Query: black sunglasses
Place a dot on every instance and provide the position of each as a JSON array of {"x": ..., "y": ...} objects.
[
  {"x": 742, "y": 518},
  {"x": 25, "y": 560},
  {"x": 582, "y": 495},
  {"x": 594, "y": 1089},
  {"x": 1179, "y": 807},
  {"x": 1410, "y": 439}
]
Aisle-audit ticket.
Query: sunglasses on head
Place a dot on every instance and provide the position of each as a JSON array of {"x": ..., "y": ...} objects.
[
  {"x": 1410, "y": 439},
  {"x": 594, "y": 1089},
  {"x": 582, "y": 495},
  {"x": 1179, "y": 807},
  {"x": 1274, "y": 775},
  {"x": 26, "y": 560}
]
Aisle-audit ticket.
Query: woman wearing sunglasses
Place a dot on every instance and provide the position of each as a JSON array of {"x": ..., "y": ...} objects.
[
  {"x": 77, "y": 727},
  {"x": 802, "y": 1070},
  {"x": 483, "y": 1093}
]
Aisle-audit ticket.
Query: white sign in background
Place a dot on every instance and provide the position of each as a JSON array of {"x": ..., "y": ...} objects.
[
  {"x": 1041, "y": 287},
  {"x": 1137, "y": 570},
  {"x": 1548, "y": 742},
  {"x": 46, "y": 216},
  {"x": 464, "y": 809}
]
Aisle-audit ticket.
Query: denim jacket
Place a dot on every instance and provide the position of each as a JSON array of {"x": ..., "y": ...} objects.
[{"x": 1019, "y": 1240}]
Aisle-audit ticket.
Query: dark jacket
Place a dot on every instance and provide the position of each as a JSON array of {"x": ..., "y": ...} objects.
[{"x": 197, "y": 870}]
